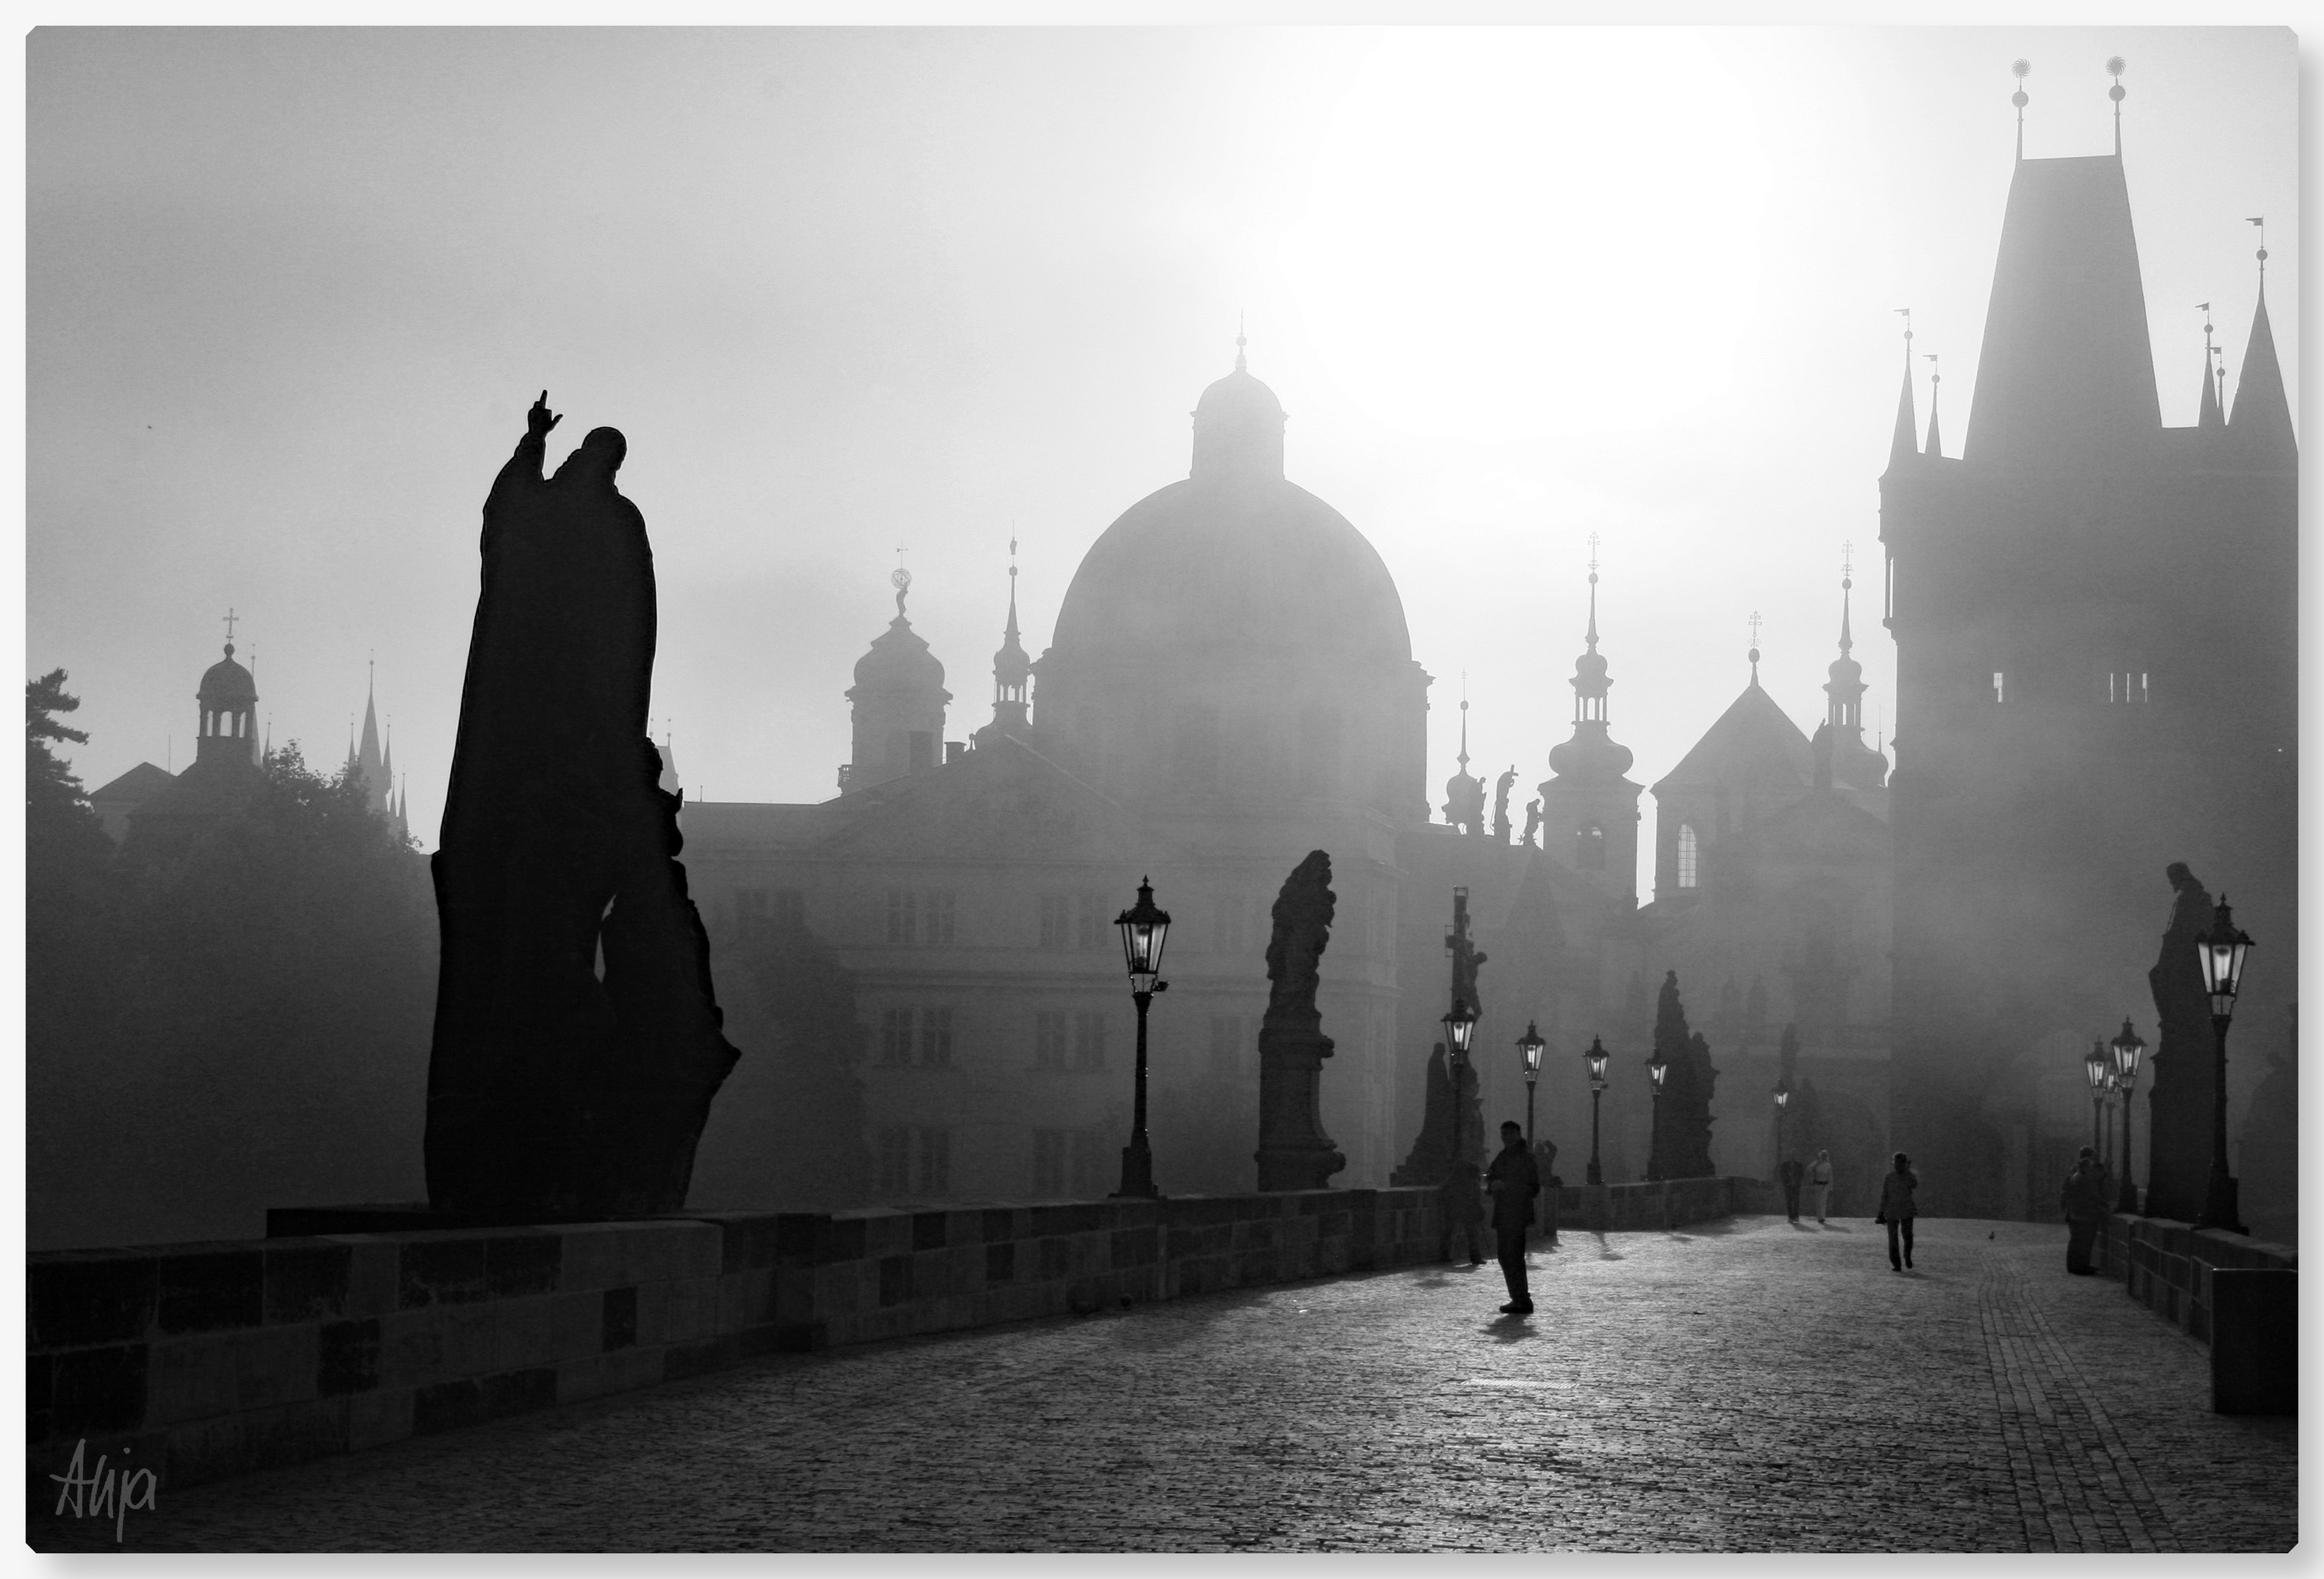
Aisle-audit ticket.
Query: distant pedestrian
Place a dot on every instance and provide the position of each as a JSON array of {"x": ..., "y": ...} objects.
[
  {"x": 1462, "y": 1197},
  {"x": 2084, "y": 1201},
  {"x": 1515, "y": 1180},
  {"x": 1820, "y": 1185},
  {"x": 1789, "y": 1171},
  {"x": 1897, "y": 1211}
]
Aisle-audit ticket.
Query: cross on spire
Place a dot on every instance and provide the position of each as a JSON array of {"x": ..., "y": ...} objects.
[
  {"x": 230, "y": 625},
  {"x": 1754, "y": 647}
]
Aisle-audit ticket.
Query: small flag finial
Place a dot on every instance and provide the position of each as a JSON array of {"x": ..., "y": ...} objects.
[{"x": 2261, "y": 220}]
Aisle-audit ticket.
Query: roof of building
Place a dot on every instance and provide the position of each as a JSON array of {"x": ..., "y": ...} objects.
[
  {"x": 226, "y": 682},
  {"x": 1234, "y": 556},
  {"x": 137, "y": 785},
  {"x": 1753, "y": 738}
]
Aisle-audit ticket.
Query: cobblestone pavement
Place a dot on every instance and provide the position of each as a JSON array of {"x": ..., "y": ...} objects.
[{"x": 1735, "y": 1387}]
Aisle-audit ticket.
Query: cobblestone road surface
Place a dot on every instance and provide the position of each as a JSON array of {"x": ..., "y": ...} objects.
[{"x": 1735, "y": 1387}]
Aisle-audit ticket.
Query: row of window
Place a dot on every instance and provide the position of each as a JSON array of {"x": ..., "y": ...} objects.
[
  {"x": 2122, "y": 687},
  {"x": 928, "y": 917},
  {"x": 921, "y": 1039}
]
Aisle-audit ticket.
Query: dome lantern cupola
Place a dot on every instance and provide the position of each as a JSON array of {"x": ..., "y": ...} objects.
[
  {"x": 1237, "y": 428},
  {"x": 898, "y": 698},
  {"x": 1589, "y": 810},
  {"x": 227, "y": 700}
]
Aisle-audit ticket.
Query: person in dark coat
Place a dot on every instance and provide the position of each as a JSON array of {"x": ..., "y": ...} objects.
[
  {"x": 1515, "y": 1179},
  {"x": 2086, "y": 1203},
  {"x": 1462, "y": 1197},
  {"x": 1897, "y": 1209},
  {"x": 1791, "y": 1173}
]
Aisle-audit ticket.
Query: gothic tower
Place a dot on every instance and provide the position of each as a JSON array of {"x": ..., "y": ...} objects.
[
  {"x": 1012, "y": 674},
  {"x": 1589, "y": 810},
  {"x": 2097, "y": 631}
]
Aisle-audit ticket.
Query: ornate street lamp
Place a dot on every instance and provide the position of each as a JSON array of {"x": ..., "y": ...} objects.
[
  {"x": 2094, "y": 1064},
  {"x": 1658, "y": 1069},
  {"x": 1529, "y": 1049},
  {"x": 2222, "y": 952},
  {"x": 2110, "y": 1092},
  {"x": 1783, "y": 1101},
  {"x": 2128, "y": 1050},
  {"x": 1460, "y": 1023},
  {"x": 1143, "y": 929},
  {"x": 1596, "y": 1057}
]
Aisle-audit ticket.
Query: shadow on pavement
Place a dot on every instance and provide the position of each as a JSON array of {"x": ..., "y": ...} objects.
[
  {"x": 1509, "y": 1329},
  {"x": 1834, "y": 1228}
]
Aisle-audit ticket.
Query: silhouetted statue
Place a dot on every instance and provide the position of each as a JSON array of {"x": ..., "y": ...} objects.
[
  {"x": 1294, "y": 1152},
  {"x": 1432, "y": 1151},
  {"x": 1501, "y": 787},
  {"x": 577, "y": 1040},
  {"x": 2186, "y": 1059},
  {"x": 1533, "y": 824},
  {"x": 1681, "y": 1113}
]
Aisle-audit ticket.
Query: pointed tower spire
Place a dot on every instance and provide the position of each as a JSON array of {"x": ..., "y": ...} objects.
[
  {"x": 2115, "y": 67},
  {"x": 1936, "y": 451},
  {"x": 1851, "y": 763},
  {"x": 2208, "y": 412},
  {"x": 1464, "y": 795},
  {"x": 2261, "y": 422},
  {"x": 2021, "y": 70},
  {"x": 1903, "y": 444},
  {"x": 1012, "y": 672}
]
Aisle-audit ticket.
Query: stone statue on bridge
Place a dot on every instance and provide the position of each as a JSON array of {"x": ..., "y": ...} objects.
[
  {"x": 577, "y": 1043},
  {"x": 1294, "y": 1152},
  {"x": 2186, "y": 1059}
]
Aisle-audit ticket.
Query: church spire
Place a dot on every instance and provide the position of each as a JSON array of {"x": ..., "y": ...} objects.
[
  {"x": 1755, "y": 648},
  {"x": 1012, "y": 672},
  {"x": 1936, "y": 451},
  {"x": 1464, "y": 794},
  {"x": 1903, "y": 444},
  {"x": 2209, "y": 413},
  {"x": 2261, "y": 423},
  {"x": 1592, "y": 753}
]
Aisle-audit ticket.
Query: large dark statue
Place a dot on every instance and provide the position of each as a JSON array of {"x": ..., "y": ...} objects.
[
  {"x": 1501, "y": 787},
  {"x": 1294, "y": 1152},
  {"x": 1432, "y": 1151},
  {"x": 1681, "y": 1116},
  {"x": 577, "y": 1043},
  {"x": 2186, "y": 1059}
]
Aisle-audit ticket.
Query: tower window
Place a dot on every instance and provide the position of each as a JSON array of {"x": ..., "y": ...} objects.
[
  {"x": 1686, "y": 855},
  {"x": 1999, "y": 694},
  {"x": 1589, "y": 848}
]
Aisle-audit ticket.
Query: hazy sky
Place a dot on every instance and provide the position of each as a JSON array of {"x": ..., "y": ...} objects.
[{"x": 291, "y": 292}]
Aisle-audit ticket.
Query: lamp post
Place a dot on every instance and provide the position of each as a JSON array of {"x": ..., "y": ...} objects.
[
  {"x": 1596, "y": 1057},
  {"x": 2094, "y": 1065},
  {"x": 1459, "y": 1024},
  {"x": 2111, "y": 1090},
  {"x": 1530, "y": 1050},
  {"x": 2222, "y": 952},
  {"x": 1783, "y": 1101},
  {"x": 2128, "y": 1050},
  {"x": 1658, "y": 1069},
  {"x": 1143, "y": 929}
]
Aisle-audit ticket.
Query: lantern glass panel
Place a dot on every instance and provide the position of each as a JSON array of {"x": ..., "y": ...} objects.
[
  {"x": 2127, "y": 1051},
  {"x": 1530, "y": 1047},
  {"x": 1658, "y": 1069},
  {"x": 2095, "y": 1066}
]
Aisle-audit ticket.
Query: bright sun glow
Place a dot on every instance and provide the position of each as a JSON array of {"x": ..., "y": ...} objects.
[{"x": 1515, "y": 230}]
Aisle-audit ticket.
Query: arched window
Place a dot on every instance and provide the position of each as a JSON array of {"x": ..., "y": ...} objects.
[
  {"x": 1686, "y": 867},
  {"x": 1589, "y": 848}
]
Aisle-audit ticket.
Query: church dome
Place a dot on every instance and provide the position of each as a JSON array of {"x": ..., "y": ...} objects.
[
  {"x": 899, "y": 661},
  {"x": 1591, "y": 754},
  {"x": 1261, "y": 563},
  {"x": 226, "y": 684}
]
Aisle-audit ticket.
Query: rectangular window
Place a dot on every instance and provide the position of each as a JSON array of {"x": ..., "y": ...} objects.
[
  {"x": 1054, "y": 933},
  {"x": 895, "y": 1149},
  {"x": 903, "y": 916},
  {"x": 788, "y": 908},
  {"x": 1051, "y": 1162},
  {"x": 1049, "y": 1030},
  {"x": 895, "y": 1038},
  {"x": 1097, "y": 921},
  {"x": 1998, "y": 696},
  {"x": 1226, "y": 1046},
  {"x": 939, "y": 913},
  {"x": 935, "y": 1162},
  {"x": 1089, "y": 1040},
  {"x": 2142, "y": 685},
  {"x": 936, "y": 1037}
]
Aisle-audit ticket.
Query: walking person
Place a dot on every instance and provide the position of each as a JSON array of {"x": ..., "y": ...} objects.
[
  {"x": 2085, "y": 1201},
  {"x": 1789, "y": 1171},
  {"x": 1897, "y": 1210},
  {"x": 1515, "y": 1179},
  {"x": 1462, "y": 1199},
  {"x": 1820, "y": 1185}
]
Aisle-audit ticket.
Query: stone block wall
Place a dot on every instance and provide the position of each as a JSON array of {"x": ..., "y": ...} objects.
[
  {"x": 2166, "y": 1266},
  {"x": 202, "y": 1361},
  {"x": 1666, "y": 1203}
]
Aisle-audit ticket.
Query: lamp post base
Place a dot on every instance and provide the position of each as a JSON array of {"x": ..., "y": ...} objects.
[
  {"x": 1138, "y": 1172},
  {"x": 2219, "y": 1202}
]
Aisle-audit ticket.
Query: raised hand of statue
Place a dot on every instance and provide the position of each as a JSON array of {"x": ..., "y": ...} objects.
[{"x": 539, "y": 421}]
